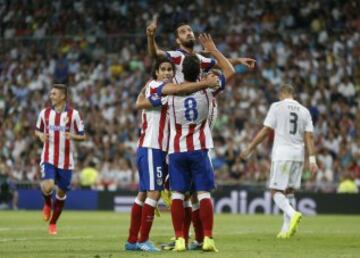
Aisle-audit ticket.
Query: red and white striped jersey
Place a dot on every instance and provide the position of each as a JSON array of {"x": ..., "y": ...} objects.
[
  {"x": 189, "y": 121},
  {"x": 177, "y": 57},
  {"x": 58, "y": 150},
  {"x": 154, "y": 129}
]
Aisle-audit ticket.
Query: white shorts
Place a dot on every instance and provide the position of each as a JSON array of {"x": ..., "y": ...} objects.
[{"x": 285, "y": 174}]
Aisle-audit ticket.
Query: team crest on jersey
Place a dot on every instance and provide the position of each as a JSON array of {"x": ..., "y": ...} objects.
[{"x": 159, "y": 181}]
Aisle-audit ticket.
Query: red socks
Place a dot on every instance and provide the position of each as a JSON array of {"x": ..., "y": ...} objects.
[
  {"x": 198, "y": 228},
  {"x": 206, "y": 214},
  {"x": 47, "y": 199},
  {"x": 135, "y": 221},
  {"x": 178, "y": 214},
  {"x": 187, "y": 220},
  {"x": 147, "y": 219},
  {"x": 58, "y": 207}
]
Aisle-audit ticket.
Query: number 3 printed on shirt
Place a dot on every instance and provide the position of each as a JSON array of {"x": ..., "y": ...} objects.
[
  {"x": 294, "y": 122},
  {"x": 191, "y": 113}
]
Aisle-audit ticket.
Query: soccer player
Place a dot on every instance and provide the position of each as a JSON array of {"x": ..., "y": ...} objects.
[
  {"x": 186, "y": 40},
  {"x": 190, "y": 140},
  {"x": 152, "y": 149},
  {"x": 57, "y": 127},
  {"x": 292, "y": 126}
]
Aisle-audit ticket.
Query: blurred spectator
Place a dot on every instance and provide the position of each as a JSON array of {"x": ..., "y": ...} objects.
[
  {"x": 347, "y": 185},
  {"x": 89, "y": 176},
  {"x": 97, "y": 48}
]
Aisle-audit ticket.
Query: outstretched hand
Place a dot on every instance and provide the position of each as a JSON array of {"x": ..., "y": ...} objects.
[
  {"x": 248, "y": 62},
  {"x": 207, "y": 42}
]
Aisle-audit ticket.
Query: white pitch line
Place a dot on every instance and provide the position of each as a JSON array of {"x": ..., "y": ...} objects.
[
  {"x": 44, "y": 238},
  {"x": 22, "y": 229}
]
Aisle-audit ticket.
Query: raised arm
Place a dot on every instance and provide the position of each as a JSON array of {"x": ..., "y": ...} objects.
[
  {"x": 208, "y": 44},
  {"x": 248, "y": 62},
  {"x": 153, "y": 49}
]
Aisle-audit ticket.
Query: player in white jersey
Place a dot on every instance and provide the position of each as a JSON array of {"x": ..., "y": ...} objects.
[
  {"x": 293, "y": 128},
  {"x": 152, "y": 147},
  {"x": 57, "y": 127},
  {"x": 186, "y": 40}
]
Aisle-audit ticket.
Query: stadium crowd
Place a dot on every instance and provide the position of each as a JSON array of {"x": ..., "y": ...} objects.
[{"x": 98, "y": 48}]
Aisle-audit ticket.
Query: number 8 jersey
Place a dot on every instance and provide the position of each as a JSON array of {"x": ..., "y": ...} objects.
[
  {"x": 189, "y": 124},
  {"x": 290, "y": 120}
]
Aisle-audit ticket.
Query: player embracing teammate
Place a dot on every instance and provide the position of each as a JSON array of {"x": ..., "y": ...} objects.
[{"x": 186, "y": 40}]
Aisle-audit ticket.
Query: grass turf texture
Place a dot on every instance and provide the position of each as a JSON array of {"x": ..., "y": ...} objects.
[{"x": 102, "y": 234}]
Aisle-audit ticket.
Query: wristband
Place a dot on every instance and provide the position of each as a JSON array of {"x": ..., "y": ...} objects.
[
  {"x": 312, "y": 159},
  {"x": 155, "y": 102}
]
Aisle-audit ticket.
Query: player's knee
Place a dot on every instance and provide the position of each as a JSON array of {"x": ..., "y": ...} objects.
[
  {"x": 154, "y": 195},
  {"x": 289, "y": 191},
  {"x": 141, "y": 196},
  {"x": 274, "y": 191},
  {"x": 194, "y": 198},
  {"x": 47, "y": 186},
  {"x": 61, "y": 193}
]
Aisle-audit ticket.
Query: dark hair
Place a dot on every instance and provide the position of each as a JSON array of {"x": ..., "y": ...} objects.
[
  {"x": 61, "y": 87},
  {"x": 179, "y": 25},
  {"x": 287, "y": 88},
  {"x": 191, "y": 68},
  {"x": 157, "y": 64}
]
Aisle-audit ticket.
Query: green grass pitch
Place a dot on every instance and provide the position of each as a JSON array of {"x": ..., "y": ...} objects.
[{"x": 102, "y": 234}]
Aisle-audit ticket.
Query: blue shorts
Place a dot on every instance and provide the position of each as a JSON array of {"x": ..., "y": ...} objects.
[
  {"x": 61, "y": 177},
  {"x": 152, "y": 168},
  {"x": 191, "y": 171}
]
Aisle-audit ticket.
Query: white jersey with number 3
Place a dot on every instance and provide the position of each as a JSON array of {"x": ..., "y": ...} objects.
[{"x": 290, "y": 120}]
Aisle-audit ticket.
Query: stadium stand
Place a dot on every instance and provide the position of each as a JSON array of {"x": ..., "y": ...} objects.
[{"x": 87, "y": 45}]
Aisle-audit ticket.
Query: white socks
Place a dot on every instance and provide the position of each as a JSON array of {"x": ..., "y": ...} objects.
[
  {"x": 283, "y": 203},
  {"x": 286, "y": 218}
]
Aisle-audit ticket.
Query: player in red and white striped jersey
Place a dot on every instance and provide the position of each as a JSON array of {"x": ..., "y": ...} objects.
[
  {"x": 186, "y": 40},
  {"x": 57, "y": 127},
  {"x": 152, "y": 147},
  {"x": 190, "y": 140}
]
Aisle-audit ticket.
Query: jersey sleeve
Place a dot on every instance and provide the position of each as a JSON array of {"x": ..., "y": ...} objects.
[
  {"x": 270, "y": 120},
  {"x": 174, "y": 57},
  {"x": 206, "y": 63},
  {"x": 78, "y": 124},
  {"x": 40, "y": 124},
  {"x": 309, "y": 127}
]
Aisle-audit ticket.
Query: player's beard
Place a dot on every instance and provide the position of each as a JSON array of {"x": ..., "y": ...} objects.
[{"x": 189, "y": 43}]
